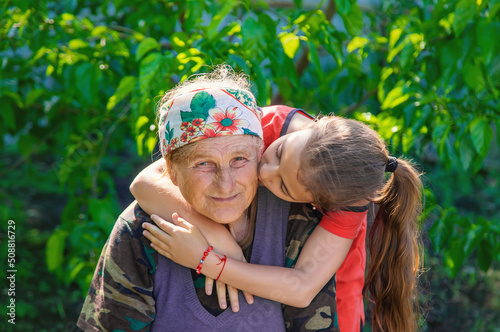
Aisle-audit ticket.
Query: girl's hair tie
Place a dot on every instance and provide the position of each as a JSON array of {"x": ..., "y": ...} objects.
[{"x": 392, "y": 164}]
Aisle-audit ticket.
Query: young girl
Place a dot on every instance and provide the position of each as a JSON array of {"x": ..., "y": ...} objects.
[{"x": 334, "y": 163}]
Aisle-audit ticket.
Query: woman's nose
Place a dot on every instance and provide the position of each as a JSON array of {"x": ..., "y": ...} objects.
[{"x": 225, "y": 179}]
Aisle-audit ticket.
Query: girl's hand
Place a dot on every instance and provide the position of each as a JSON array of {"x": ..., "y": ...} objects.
[
  {"x": 184, "y": 244},
  {"x": 179, "y": 241}
]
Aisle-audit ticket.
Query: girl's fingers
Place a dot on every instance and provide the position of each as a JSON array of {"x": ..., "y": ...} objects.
[
  {"x": 233, "y": 298},
  {"x": 209, "y": 285},
  {"x": 156, "y": 242},
  {"x": 162, "y": 252},
  {"x": 157, "y": 232},
  {"x": 164, "y": 225},
  {"x": 221, "y": 294},
  {"x": 181, "y": 222}
]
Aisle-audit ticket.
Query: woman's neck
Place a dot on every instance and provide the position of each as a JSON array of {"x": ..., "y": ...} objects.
[{"x": 239, "y": 228}]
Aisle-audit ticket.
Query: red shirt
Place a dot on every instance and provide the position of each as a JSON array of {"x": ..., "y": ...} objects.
[{"x": 347, "y": 224}]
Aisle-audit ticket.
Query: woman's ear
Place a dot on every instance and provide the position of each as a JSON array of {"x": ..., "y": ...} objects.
[{"x": 172, "y": 174}]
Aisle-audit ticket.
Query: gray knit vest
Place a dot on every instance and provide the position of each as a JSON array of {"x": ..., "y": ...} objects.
[{"x": 178, "y": 307}]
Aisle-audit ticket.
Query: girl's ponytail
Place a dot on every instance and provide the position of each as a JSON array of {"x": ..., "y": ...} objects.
[{"x": 394, "y": 246}]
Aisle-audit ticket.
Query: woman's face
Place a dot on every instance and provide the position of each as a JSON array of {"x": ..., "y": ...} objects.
[
  {"x": 280, "y": 165},
  {"x": 219, "y": 179}
]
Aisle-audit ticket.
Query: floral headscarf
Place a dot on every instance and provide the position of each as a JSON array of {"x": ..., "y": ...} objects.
[{"x": 206, "y": 113}]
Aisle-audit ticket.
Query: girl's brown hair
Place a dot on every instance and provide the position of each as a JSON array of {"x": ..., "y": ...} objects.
[{"x": 344, "y": 163}]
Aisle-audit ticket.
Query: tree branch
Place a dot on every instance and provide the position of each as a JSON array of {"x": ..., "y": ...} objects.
[{"x": 354, "y": 106}]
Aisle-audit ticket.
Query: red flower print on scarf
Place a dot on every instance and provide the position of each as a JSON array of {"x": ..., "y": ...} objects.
[
  {"x": 198, "y": 123},
  {"x": 191, "y": 130},
  {"x": 184, "y": 137},
  {"x": 227, "y": 120}
]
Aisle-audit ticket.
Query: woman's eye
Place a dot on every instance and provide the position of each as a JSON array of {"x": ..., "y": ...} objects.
[
  {"x": 239, "y": 161},
  {"x": 204, "y": 163}
]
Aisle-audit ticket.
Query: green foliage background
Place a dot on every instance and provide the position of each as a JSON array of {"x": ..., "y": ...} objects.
[{"x": 80, "y": 79}]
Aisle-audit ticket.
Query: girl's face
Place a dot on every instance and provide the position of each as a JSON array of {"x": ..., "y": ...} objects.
[{"x": 279, "y": 168}]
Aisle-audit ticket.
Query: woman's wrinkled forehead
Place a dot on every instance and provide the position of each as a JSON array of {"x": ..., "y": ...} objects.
[
  {"x": 225, "y": 147},
  {"x": 207, "y": 113}
]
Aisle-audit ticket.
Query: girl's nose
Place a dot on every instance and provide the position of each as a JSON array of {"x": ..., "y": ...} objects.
[{"x": 267, "y": 172}]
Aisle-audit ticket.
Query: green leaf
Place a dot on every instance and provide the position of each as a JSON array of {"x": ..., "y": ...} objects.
[
  {"x": 201, "y": 103},
  {"x": 464, "y": 13},
  {"x": 253, "y": 36},
  {"x": 343, "y": 6},
  {"x": 353, "y": 21},
  {"x": 314, "y": 57},
  {"x": 74, "y": 272},
  {"x": 440, "y": 139},
  {"x": 76, "y": 44},
  {"x": 227, "y": 7},
  {"x": 140, "y": 143},
  {"x": 394, "y": 98},
  {"x": 8, "y": 114},
  {"x": 178, "y": 40},
  {"x": 497, "y": 124},
  {"x": 475, "y": 234},
  {"x": 485, "y": 34},
  {"x": 141, "y": 121},
  {"x": 237, "y": 60},
  {"x": 26, "y": 143},
  {"x": 355, "y": 43},
  {"x": 439, "y": 234},
  {"x": 33, "y": 96},
  {"x": 149, "y": 66},
  {"x": 482, "y": 134},
  {"x": 494, "y": 8},
  {"x": 291, "y": 43},
  {"x": 412, "y": 47},
  {"x": 86, "y": 82},
  {"x": 454, "y": 256},
  {"x": 394, "y": 36},
  {"x": 466, "y": 152},
  {"x": 103, "y": 212},
  {"x": 145, "y": 46},
  {"x": 151, "y": 143},
  {"x": 484, "y": 255},
  {"x": 473, "y": 75},
  {"x": 54, "y": 251},
  {"x": 126, "y": 86}
]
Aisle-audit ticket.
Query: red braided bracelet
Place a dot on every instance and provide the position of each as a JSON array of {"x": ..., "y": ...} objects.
[
  {"x": 205, "y": 254},
  {"x": 223, "y": 265}
]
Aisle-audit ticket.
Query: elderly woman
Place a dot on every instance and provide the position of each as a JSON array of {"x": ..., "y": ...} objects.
[{"x": 210, "y": 134}]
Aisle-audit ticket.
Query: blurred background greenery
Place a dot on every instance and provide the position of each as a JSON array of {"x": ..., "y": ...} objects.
[{"x": 79, "y": 81}]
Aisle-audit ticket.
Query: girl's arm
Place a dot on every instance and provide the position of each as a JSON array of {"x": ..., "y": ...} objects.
[{"x": 322, "y": 255}]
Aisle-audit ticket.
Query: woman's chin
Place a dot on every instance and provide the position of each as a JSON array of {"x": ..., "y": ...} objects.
[{"x": 226, "y": 216}]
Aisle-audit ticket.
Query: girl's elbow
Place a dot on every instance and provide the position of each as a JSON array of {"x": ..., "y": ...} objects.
[
  {"x": 136, "y": 185},
  {"x": 304, "y": 299}
]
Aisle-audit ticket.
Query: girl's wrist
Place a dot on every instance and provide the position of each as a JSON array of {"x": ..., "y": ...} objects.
[{"x": 213, "y": 264}]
